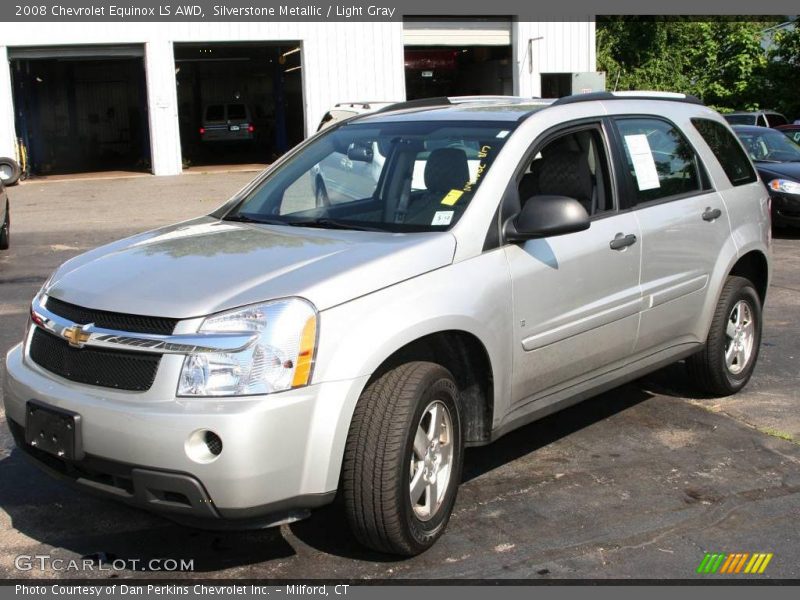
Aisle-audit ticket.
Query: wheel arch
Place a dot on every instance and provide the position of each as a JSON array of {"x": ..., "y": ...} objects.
[
  {"x": 753, "y": 266},
  {"x": 466, "y": 357},
  {"x": 751, "y": 262}
]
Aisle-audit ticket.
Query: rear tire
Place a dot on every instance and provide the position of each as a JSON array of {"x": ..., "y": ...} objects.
[
  {"x": 405, "y": 436},
  {"x": 9, "y": 171},
  {"x": 726, "y": 363}
]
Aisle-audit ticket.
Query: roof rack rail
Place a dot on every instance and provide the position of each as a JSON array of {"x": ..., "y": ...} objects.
[{"x": 633, "y": 95}]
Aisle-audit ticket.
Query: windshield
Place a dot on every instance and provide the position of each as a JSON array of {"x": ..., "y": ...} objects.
[
  {"x": 770, "y": 146},
  {"x": 409, "y": 176}
]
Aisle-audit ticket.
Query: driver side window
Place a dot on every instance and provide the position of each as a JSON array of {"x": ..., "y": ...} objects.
[{"x": 574, "y": 165}]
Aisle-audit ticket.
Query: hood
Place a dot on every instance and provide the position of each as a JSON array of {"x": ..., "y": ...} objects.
[
  {"x": 785, "y": 170},
  {"x": 205, "y": 265}
]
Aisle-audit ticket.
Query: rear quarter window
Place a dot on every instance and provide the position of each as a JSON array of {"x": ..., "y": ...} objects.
[
  {"x": 774, "y": 119},
  {"x": 727, "y": 150}
]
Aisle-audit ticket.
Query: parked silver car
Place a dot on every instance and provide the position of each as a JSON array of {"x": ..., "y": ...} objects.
[
  {"x": 760, "y": 118},
  {"x": 239, "y": 369}
]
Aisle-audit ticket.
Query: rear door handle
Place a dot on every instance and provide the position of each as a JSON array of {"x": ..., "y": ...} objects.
[
  {"x": 711, "y": 214},
  {"x": 621, "y": 241}
]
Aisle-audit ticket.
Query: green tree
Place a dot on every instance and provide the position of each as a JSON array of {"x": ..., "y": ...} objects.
[
  {"x": 784, "y": 71},
  {"x": 723, "y": 62}
]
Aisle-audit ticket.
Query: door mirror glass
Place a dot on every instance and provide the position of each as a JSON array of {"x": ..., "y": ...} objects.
[{"x": 543, "y": 216}]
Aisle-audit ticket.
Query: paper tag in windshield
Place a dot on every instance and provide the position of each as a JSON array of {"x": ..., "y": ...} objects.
[
  {"x": 442, "y": 217},
  {"x": 643, "y": 164},
  {"x": 452, "y": 197}
]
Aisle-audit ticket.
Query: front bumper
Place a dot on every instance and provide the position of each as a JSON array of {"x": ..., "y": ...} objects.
[
  {"x": 785, "y": 209},
  {"x": 281, "y": 453}
]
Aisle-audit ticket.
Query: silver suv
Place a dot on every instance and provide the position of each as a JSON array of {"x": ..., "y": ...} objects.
[{"x": 242, "y": 368}]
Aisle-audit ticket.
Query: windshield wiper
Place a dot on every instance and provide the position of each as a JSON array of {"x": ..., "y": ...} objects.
[
  {"x": 326, "y": 223},
  {"x": 246, "y": 219}
]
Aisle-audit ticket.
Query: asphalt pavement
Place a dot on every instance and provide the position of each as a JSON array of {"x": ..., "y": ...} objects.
[{"x": 639, "y": 482}]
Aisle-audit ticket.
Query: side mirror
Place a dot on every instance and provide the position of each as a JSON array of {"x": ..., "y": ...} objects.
[
  {"x": 360, "y": 152},
  {"x": 543, "y": 216}
]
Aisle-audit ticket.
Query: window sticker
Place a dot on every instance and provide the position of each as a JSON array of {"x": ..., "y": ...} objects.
[
  {"x": 442, "y": 217},
  {"x": 643, "y": 164},
  {"x": 502, "y": 134},
  {"x": 452, "y": 197}
]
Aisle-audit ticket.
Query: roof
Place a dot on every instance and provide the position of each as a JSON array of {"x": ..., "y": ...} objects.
[
  {"x": 499, "y": 108},
  {"x": 458, "y": 112},
  {"x": 752, "y": 112}
]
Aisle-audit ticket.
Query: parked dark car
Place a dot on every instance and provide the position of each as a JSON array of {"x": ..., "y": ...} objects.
[
  {"x": 5, "y": 219},
  {"x": 791, "y": 131},
  {"x": 777, "y": 159}
]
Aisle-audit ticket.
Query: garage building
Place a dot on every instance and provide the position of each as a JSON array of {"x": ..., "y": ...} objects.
[{"x": 161, "y": 96}]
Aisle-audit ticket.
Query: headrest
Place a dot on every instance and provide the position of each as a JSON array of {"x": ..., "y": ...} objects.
[
  {"x": 446, "y": 169},
  {"x": 565, "y": 172}
]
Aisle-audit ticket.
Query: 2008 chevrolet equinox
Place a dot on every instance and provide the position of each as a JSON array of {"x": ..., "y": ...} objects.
[{"x": 402, "y": 285}]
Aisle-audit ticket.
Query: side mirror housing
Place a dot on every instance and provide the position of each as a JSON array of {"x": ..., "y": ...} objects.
[{"x": 544, "y": 216}]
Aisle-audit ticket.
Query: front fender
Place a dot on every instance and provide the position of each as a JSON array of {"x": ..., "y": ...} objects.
[{"x": 473, "y": 296}]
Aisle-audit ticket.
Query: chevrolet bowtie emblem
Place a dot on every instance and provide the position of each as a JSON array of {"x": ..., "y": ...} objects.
[{"x": 76, "y": 336}]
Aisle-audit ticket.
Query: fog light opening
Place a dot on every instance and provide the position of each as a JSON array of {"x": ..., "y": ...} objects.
[
  {"x": 213, "y": 443},
  {"x": 203, "y": 446}
]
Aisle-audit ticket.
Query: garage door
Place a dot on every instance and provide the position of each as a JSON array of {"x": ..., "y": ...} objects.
[
  {"x": 81, "y": 108},
  {"x": 457, "y": 33}
]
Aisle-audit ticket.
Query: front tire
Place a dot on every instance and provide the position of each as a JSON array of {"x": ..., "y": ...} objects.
[
  {"x": 403, "y": 457},
  {"x": 727, "y": 361}
]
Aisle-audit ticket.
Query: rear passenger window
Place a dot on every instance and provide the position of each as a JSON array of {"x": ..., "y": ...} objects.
[
  {"x": 728, "y": 151},
  {"x": 660, "y": 160}
]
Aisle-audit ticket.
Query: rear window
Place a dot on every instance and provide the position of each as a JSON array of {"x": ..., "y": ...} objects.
[
  {"x": 215, "y": 112},
  {"x": 728, "y": 151},
  {"x": 775, "y": 119},
  {"x": 237, "y": 111}
]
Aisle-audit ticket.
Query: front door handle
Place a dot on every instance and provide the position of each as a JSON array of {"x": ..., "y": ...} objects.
[
  {"x": 711, "y": 214},
  {"x": 621, "y": 241}
]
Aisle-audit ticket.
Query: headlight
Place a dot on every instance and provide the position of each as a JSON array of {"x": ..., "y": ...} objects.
[
  {"x": 281, "y": 358},
  {"x": 784, "y": 185}
]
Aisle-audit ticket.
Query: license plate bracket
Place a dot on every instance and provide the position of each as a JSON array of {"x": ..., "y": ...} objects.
[{"x": 53, "y": 430}]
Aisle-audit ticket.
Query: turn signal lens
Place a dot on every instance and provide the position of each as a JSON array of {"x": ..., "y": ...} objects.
[{"x": 305, "y": 355}]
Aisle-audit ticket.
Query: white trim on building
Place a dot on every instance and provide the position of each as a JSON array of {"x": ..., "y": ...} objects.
[{"x": 341, "y": 62}]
